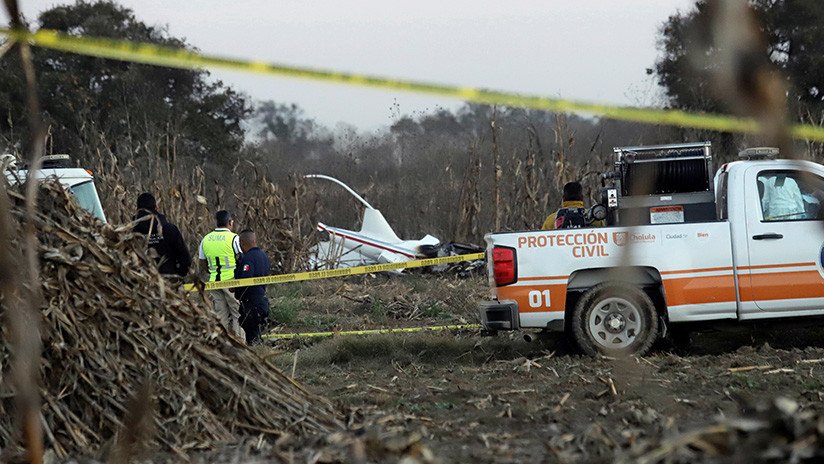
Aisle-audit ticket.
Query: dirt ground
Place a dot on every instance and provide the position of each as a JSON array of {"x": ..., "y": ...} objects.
[{"x": 501, "y": 399}]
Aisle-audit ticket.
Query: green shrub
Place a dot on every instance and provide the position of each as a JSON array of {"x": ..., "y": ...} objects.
[
  {"x": 284, "y": 311},
  {"x": 436, "y": 310},
  {"x": 287, "y": 290},
  {"x": 377, "y": 309}
]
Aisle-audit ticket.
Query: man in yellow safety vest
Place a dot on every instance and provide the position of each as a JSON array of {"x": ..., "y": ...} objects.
[{"x": 218, "y": 253}]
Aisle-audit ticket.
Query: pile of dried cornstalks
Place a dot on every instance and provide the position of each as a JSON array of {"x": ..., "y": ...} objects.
[{"x": 130, "y": 358}]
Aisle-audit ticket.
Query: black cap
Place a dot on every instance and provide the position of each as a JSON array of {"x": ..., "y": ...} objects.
[
  {"x": 573, "y": 191},
  {"x": 146, "y": 201}
]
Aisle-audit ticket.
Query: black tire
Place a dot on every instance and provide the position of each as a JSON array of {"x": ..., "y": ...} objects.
[{"x": 630, "y": 322}]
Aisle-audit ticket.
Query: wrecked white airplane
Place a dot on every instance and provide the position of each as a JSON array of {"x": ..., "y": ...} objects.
[{"x": 374, "y": 243}]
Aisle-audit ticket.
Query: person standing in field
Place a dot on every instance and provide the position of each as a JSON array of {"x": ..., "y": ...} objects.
[
  {"x": 254, "y": 306},
  {"x": 164, "y": 238},
  {"x": 572, "y": 213},
  {"x": 219, "y": 252}
]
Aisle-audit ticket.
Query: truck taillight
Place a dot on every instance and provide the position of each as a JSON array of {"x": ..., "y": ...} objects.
[{"x": 504, "y": 266}]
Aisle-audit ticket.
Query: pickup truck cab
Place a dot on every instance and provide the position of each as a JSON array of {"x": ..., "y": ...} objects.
[
  {"x": 79, "y": 182},
  {"x": 680, "y": 246}
]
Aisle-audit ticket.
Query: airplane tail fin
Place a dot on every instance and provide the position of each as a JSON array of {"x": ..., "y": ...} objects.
[{"x": 375, "y": 225}]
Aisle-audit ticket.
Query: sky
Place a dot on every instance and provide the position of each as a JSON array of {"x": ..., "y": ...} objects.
[{"x": 589, "y": 50}]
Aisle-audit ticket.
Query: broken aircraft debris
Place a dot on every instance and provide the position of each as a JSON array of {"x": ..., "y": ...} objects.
[{"x": 377, "y": 243}]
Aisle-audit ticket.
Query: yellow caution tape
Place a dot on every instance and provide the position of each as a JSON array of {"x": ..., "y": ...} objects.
[
  {"x": 325, "y": 274},
  {"x": 186, "y": 59},
  {"x": 283, "y": 336}
]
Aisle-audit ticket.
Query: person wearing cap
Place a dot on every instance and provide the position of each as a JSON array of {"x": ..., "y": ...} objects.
[
  {"x": 218, "y": 253},
  {"x": 254, "y": 306},
  {"x": 165, "y": 240},
  {"x": 572, "y": 213}
]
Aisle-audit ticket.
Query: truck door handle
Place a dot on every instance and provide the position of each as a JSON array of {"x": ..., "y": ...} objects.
[{"x": 767, "y": 237}]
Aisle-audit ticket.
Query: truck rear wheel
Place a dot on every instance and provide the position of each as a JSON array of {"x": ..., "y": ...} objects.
[{"x": 614, "y": 319}]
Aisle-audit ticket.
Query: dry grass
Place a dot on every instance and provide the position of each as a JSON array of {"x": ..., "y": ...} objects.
[
  {"x": 375, "y": 301},
  {"x": 450, "y": 348}
]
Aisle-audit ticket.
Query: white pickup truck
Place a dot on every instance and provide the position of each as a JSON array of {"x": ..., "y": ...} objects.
[
  {"x": 79, "y": 182},
  {"x": 680, "y": 245}
]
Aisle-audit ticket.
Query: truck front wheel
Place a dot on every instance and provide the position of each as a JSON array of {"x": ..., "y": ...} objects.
[{"x": 614, "y": 319}]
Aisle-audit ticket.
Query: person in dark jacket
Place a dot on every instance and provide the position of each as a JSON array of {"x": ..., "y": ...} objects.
[
  {"x": 254, "y": 306},
  {"x": 164, "y": 238}
]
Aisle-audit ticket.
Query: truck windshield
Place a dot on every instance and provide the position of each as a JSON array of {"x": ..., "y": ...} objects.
[{"x": 86, "y": 195}]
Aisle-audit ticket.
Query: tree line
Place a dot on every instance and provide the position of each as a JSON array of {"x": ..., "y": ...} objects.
[{"x": 454, "y": 174}]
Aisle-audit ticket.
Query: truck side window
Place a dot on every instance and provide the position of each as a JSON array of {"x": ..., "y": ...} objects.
[{"x": 790, "y": 195}]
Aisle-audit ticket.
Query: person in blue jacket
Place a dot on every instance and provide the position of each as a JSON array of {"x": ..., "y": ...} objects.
[{"x": 254, "y": 306}]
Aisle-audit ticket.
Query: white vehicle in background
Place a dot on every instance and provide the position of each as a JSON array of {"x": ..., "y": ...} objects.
[{"x": 79, "y": 182}]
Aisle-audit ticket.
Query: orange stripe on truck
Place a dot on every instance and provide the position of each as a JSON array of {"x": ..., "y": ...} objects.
[
  {"x": 689, "y": 290},
  {"x": 699, "y": 290},
  {"x": 692, "y": 271},
  {"x": 776, "y": 286}
]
